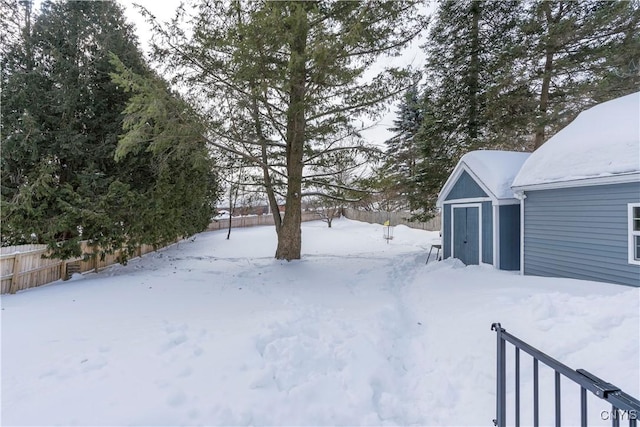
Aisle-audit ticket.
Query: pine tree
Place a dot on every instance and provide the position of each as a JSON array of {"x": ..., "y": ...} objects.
[
  {"x": 579, "y": 51},
  {"x": 403, "y": 150},
  {"x": 286, "y": 80},
  {"x": 474, "y": 97},
  {"x": 472, "y": 70},
  {"x": 63, "y": 115}
]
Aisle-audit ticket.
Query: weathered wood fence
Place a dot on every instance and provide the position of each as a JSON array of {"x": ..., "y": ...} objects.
[
  {"x": 23, "y": 267},
  {"x": 251, "y": 221},
  {"x": 394, "y": 218}
]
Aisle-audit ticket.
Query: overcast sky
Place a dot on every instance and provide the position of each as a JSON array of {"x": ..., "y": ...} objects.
[{"x": 164, "y": 10}]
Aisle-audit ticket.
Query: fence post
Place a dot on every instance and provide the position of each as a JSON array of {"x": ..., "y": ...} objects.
[
  {"x": 63, "y": 269},
  {"x": 16, "y": 271},
  {"x": 501, "y": 409},
  {"x": 95, "y": 259}
]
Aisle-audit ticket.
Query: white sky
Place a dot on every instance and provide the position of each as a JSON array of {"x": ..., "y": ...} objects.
[{"x": 164, "y": 10}]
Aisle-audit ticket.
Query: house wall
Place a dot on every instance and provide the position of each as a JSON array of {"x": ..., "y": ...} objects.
[
  {"x": 580, "y": 233},
  {"x": 509, "y": 226}
]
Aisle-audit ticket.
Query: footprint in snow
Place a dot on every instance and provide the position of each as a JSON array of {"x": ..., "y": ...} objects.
[
  {"x": 175, "y": 341},
  {"x": 177, "y": 399}
]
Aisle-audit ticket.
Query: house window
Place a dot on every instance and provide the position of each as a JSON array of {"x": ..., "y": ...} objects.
[{"x": 634, "y": 233}]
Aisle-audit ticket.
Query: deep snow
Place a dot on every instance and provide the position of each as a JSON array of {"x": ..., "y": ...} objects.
[
  {"x": 603, "y": 140},
  {"x": 359, "y": 332}
]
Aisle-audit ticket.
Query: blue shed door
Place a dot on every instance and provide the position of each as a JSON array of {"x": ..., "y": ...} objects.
[{"x": 466, "y": 234}]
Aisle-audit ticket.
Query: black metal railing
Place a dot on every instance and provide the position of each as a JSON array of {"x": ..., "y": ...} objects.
[{"x": 623, "y": 406}]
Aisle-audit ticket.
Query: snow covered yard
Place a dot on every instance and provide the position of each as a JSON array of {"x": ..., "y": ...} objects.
[{"x": 359, "y": 332}]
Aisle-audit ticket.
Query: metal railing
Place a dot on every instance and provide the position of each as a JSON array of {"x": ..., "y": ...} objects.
[{"x": 622, "y": 404}]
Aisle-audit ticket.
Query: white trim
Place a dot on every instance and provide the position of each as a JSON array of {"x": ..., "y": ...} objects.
[
  {"x": 582, "y": 182},
  {"x": 496, "y": 235},
  {"x": 468, "y": 200},
  {"x": 522, "y": 196},
  {"x": 503, "y": 202},
  {"x": 442, "y": 233},
  {"x": 632, "y": 234},
  {"x": 469, "y": 205}
]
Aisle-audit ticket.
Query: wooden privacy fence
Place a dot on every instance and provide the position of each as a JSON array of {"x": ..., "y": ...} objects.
[
  {"x": 394, "y": 218},
  {"x": 251, "y": 221},
  {"x": 23, "y": 267}
]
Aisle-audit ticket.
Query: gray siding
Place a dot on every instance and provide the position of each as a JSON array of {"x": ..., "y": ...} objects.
[
  {"x": 487, "y": 233},
  {"x": 509, "y": 226},
  {"x": 580, "y": 233},
  {"x": 465, "y": 188}
]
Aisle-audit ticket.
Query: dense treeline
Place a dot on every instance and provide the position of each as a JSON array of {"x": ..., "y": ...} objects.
[
  {"x": 94, "y": 144},
  {"x": 505, "y": 75}
]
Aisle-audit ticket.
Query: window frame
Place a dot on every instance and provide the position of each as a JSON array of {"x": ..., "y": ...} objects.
[{"x": 633, "y": 234}]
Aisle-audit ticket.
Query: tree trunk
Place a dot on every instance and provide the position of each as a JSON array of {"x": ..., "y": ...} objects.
[
  {"x": 544, "y": 101},
  {"x": 474, "y": 75},
  {"x": 290, "y": 234},
  {"x": 546, "y": 81}
]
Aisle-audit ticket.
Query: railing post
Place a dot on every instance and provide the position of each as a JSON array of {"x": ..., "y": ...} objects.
[
  {"x": 558, "y": 400},
  {"x": 536, "y": 409},
  {"x": 583, "y": 407},
  {"x": 517, "y": 387},
  {"x": 501, "y": 409}
]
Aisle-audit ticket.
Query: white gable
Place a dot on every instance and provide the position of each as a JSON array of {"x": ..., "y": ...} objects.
[
  {"x": 493, "y": 170},
  {"x": 603, "y": 141}
]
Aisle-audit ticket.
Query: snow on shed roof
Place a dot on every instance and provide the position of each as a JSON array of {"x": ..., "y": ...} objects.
[
  {"x": 494, "y": 169},
  {"x": 602, "y": 141}
]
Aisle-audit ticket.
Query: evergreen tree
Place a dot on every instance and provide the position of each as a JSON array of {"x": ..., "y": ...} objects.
[
  {"x": 437, "y": 138},
  {"x": 403, "y": 150},
  {"x": 474, "y": 96},
  {"x": 472, "y": 71},
  {"x": 286, "y": 80},
  {"x": 164, "y": 139},
  {"x": 62, "y": 115},
  {"x": 582, "y": 53}
]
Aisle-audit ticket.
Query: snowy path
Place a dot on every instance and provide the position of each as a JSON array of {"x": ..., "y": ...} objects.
[{"x": 359, "y": 332}]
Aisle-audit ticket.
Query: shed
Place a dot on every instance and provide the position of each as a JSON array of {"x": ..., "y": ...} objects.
[
  {"x": 480, "y": 215},
  {"x": 580, "y": 196}
]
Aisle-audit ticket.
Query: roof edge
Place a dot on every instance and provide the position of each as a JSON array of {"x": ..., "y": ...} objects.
[{"x": 621, "y": 178}]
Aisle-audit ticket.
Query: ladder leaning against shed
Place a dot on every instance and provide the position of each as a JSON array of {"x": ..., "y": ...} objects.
[{"x": 623, "y": 406}]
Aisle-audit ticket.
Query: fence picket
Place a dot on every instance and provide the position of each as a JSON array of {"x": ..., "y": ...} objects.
[
  {"x": 15, "y": 273},
  {"x": 394, "y": 218}
]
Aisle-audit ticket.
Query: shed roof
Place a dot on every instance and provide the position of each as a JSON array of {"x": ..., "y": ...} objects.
[
  {"x": 494, "y": 171},
  {"x": 603, "y": 141}
]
